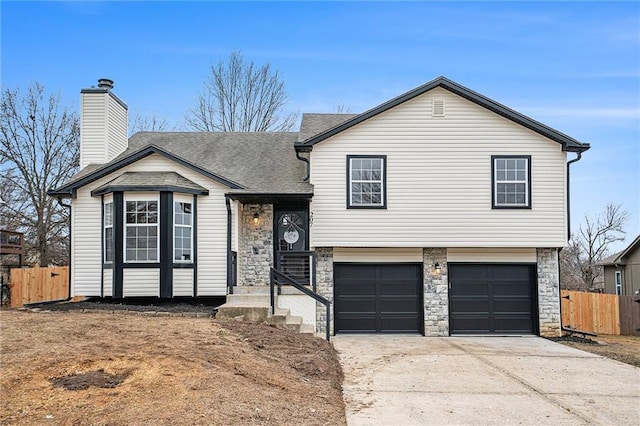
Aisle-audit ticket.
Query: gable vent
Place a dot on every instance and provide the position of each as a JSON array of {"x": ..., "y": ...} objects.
[{"x": 437, "y": 109}]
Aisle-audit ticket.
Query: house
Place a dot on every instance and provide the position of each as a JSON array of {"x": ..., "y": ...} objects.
[
  {"x": 438, "y": 212},
  {"x": 622, "y": 271}
]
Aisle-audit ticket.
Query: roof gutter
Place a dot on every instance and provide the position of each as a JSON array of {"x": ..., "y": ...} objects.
[{"x": 569, "y": 193}]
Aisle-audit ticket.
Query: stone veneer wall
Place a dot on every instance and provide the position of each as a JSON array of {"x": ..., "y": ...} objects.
[
  {"x": 436, "y": 293},
  {"x": 324, "y": 286},
  {"x": 255, "y": 245},
  {"x": 548, "y": 292}
]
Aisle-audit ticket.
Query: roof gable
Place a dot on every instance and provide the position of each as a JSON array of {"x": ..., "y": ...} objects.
[
  {"x": 130, "y": 158},
  {"x": 568, "y": 143}
]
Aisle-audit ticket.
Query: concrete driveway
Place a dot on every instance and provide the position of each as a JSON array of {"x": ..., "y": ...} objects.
[{"x": 415, "y": 380}]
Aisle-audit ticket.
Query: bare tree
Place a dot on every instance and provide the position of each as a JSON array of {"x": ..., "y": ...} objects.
[
  {"x": 40, "y": 150},
  {"x": 591, "y": 245},
  {"x": 143, "y": 122},
  {"x": 342, "y": 108},
  {"x": 241, "y": 97}
]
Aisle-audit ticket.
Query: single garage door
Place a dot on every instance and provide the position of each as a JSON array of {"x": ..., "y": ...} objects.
[
  {"x": 378, "y": 298},
  {"x": 492, "y": 299}
]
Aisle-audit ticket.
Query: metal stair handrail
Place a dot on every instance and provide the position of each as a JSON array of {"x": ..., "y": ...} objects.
[{"x": 274, "y": 273}]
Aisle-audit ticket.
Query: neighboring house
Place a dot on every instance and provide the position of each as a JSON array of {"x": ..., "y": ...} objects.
[
  {"x": 438, "y": 212},
  {"x": 622, "y": 271}
]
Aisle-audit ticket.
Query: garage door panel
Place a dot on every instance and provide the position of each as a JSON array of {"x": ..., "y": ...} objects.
[
  {"x": 396, "y": 272},
  {"x": 398, "y": 287},
  {"x": 356, "y": 271},
  {"x": 399, "y": 305},
  {"x": 512, "y": 325},
  {"x": 390, "y": 324},
  {"x": 360, "y": 305},
  {"x": 356, "y": 324},
  {"x": 509, "y": 272},
  {"x": 492, "y": 298},
  {"x": 358, "y": 287},
  {"x": 469, "y": 306},
  {"x": 470, "y": 288},
  {"x": 471, "y": 324},
  {"x": 378, "y": 297},
  {"x": 509, "y": 306},
  {"x": 512, "y": 289}
]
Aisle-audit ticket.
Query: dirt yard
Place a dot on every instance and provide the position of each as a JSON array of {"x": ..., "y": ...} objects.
[
  {"x": 621, "y": 348},
  {"x": 116, "y": 368}
]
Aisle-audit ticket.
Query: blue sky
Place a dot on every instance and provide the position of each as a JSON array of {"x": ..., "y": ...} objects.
[{"x": 574, "y": 66}]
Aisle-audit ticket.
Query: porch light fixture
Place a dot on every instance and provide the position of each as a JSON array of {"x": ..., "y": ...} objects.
[
  {"x": 256, "y": 218},
  {"x": 437, "y": 267}
]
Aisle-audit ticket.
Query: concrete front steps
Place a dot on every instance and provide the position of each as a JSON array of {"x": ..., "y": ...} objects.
[{"x": 253, "y": 303}]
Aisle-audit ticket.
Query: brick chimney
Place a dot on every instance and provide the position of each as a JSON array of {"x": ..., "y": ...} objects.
[{"x": 103, "y": 124}]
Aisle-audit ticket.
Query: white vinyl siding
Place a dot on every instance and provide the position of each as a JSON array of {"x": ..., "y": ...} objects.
[
  {"x": 86, "y": 247},
  {"x": 107, "y": 282},
  {"x": 438, "y": 181},
  {"x": 183, "y": 282},
  {"x": 144, "y": 282},
  {"x": 86, "y": 215},
  {"x": 377, "y": 255},
  {"x": 104, "y": 128},
  {"x": 117, "y": 128},
  {"x": 480, "y": 255}
]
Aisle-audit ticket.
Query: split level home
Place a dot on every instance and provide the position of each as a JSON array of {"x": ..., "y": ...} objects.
[{"x": 438, "y": 212}]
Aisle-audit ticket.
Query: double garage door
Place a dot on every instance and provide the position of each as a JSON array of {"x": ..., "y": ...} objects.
[{"x": 387, "y": 298}]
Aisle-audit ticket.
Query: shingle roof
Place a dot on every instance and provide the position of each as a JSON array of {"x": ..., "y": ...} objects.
[
  {"x": 158, "y": 181},
  {"x": 568, "y": 143},
  {"x": 260, "y": 162},
  {"x": 313, "y": 124}
]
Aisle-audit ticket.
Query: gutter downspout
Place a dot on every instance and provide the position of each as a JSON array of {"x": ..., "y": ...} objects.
[
  {"x": 568, "y": 226},
  {"x": 229, "y": 283},
  {"x": 569, "y": 194},
  {"x": 306, "y": 160}
]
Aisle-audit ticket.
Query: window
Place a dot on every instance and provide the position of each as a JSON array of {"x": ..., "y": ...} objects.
[
  {"x": 108, "y": 232},
  {"x": 182, "y": 235},
  {"x": 141, "y": 231},
  {"x": 511, "y": 181},
  {"x": 366, "y": 187},
  {"x": 618, "y": 283}
]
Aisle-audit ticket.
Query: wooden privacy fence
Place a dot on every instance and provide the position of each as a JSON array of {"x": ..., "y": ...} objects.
[
  {"x": 32, "y": 285},
  {"x": 601, "y": 313}
]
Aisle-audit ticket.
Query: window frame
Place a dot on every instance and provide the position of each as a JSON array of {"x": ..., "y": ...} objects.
[
  {"x": 105, "y": 226},
  {"x": 494, "y": 183},
  {"x": 176, "y": 225},
  {"x": 127, "y": 225},
  {"x": 383, "y": 182},
  {"x": 617, "y": 279}
]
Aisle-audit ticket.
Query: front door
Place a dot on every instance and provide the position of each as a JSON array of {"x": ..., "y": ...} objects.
[{"x": 291, "y": 229}]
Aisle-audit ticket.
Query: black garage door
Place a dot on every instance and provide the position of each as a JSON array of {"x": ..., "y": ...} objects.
[
  {"x": 378, "y": 298},
  {"x": 492, "y": 299}
]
